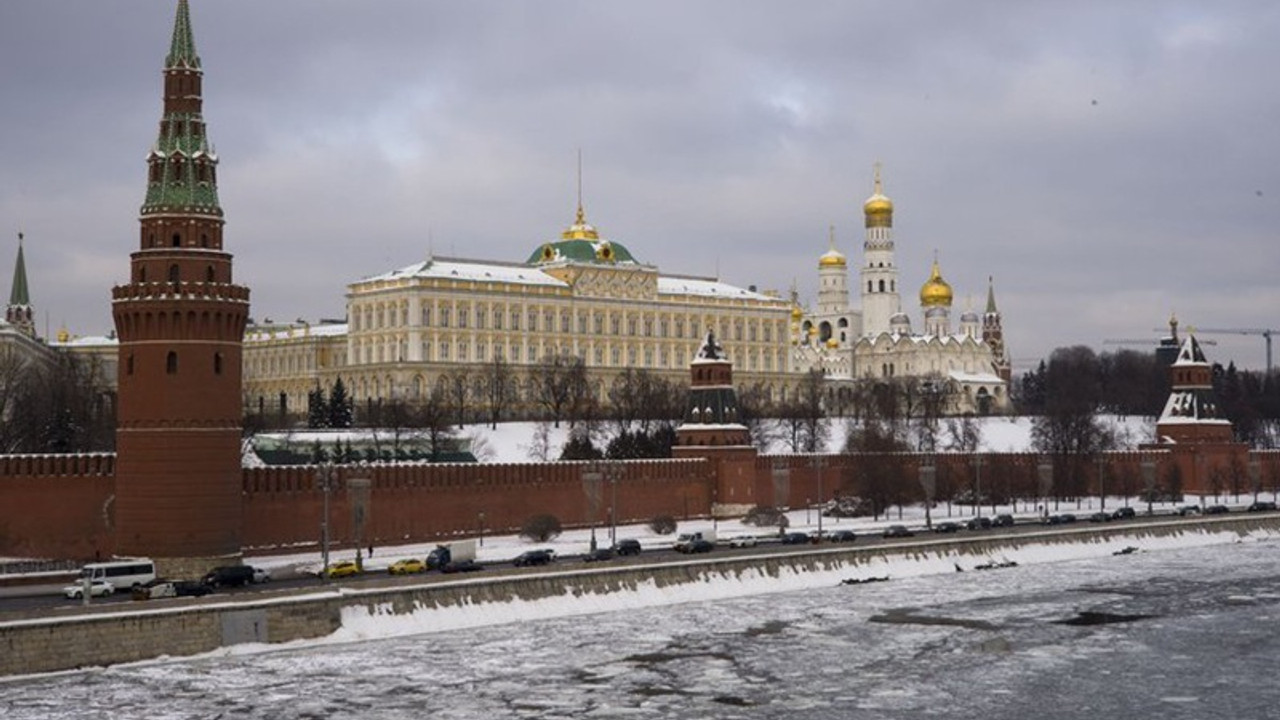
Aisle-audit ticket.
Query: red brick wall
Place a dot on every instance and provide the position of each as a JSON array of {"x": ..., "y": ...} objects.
[{"x": 56, "y": 506}]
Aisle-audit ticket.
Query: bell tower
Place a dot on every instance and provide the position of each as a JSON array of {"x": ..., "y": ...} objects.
[{"x": 180, "y": 320}]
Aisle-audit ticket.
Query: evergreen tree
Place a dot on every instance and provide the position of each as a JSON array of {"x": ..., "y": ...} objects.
[
  {"x": 339, "y": 406},
  {"x": 317, "y": 409}
]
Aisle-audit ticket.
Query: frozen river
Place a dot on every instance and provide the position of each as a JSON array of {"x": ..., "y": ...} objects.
[{"x": 1193, "y": 633}]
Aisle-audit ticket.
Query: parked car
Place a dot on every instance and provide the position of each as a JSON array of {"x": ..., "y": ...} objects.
[
  {"x": 530, "y": 558},
  {"x": 842, "y": 536},
  {"x": 795, "y": 538},
  {"x": 742, "y": 541},
  {"x": 1189, "y": 510},
  {"x": 461, "y": 566},
  {"x": 1262, "y": 506},
  {"x": 897, "y": 531},
  {"x": 158, "y": 588},
  {"x": 189, "y": 588},
  {"x": 342, "y": 568},
  {"x": 1099, "y": 517},
  {"x": 261, "y": 575},
  {"x": 229, "y": 576},
  {"x": 407, "y": 566},
  {"x": 628, "y": 546},
  {"x": 979, "y": 523},
  {"x": 1002, "y": 520},
  {"x": 946, "y": 527},
  {"x": 1067, "y": 518},
  {"x": 599, "y": 555},
  {"x": 97, "y": 588},
  {"x": 1216, "y": 510},
  {"x": 1124, "y": 513}
]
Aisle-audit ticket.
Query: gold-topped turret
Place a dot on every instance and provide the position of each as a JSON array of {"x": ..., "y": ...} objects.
[
  {"x": 878, "y": 208},
  {"x": 580, "y": 229},
  {"x": 832, "y": 257},
  {"x": 935, "y": 292}
]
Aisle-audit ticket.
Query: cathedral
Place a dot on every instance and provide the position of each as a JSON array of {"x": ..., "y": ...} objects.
[{"x": 876, "y": 341}]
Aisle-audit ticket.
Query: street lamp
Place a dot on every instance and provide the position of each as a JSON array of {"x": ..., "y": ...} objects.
[
  {"x": 1044, "y": 472},
  {"x": 977, "y": 481},
  {"x": 481, "y": 519},
  {"x": 1102, "y": 483},
  {"x": 929, "y": 482},
  {"x": 324, "y": 478},
  {"x": 819, "y": 463},
  {"x": 1149, "y": 481}
]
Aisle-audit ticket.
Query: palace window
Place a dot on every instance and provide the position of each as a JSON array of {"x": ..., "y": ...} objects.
[
  {"x": 445, "y": 312},
  {"x": 426, "y": 316},
  {"x": 480, "y": 316},
  {"x": 444, "y": 349},
  {"x": 582, "y": 323},
  {"x": 515, "y": 319},
  {"x": 615, "y": 324},
  {"x": 463, "y": 312},
  {"x": 599, "y": 324},
  {"x": 564, "y": 321}
]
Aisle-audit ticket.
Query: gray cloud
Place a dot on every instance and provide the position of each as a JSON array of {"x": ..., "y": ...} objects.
[{"x": 1107, "y": 162}]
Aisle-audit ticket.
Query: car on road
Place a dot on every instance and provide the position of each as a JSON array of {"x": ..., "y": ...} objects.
[
  {"x": 795, "y": 538},
  {"x": 1124, "y": 513},
  {"x": 461, "y": 566},
  {"x": 342, "y": 568},
  {"x": 897, "y": 531},
  {"x": 1262, "y": 506},
  {"x": 229, "y": 576},
  {"x": 1100, "y": 517},
  {"x": 530, "y": 558},
  {"x": 979, "y": 523},
  {"x": 946, "y": 527},
  {"x": 1216, "y": 510},
  {"x": 1186, "y": 510},
  {"x": 742, "y": 541},
  {"x": 628, "y": 546},
  {"x": 1067, "y": 518},
  {"x": 599, "y": 555},
  {"x": 1002, "y": 520},
  {"x": 261, "y": 575},
  {"x": 407, "y": 566},
  {"x": 698, "y": 546},
  {"x": 97, "y": 588},
  {"x": 842, "y": 536}
]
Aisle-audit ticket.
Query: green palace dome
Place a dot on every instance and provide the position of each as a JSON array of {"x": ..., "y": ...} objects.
[{"x": 581, "y": 243}]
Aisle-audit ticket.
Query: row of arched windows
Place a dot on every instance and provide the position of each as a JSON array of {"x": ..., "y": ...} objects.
[{"x": 171, "y": 363}]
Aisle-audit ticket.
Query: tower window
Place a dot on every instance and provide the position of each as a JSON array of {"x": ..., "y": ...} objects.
[
  {"x": 171, "y": 363},
  {"x": 881, "y": 286},
  {"x": 177, "y": 240},
  {"x": 217, "y": 363},
  {"x": 173, "y": 273},
  {"x": 204, "y": 240},
  {"x": 208, "y": 274},
  {"x": 128, "y": 365},
  {"x": 142, "y": 274}
]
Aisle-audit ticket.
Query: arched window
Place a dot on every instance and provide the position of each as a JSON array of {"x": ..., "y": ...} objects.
[
  {"x": 177, "y": 240},
  {"x": 173, "y": 273},
  {"x": 204, "y": 240},
  {"x": 217, "y": 363},
  {"x": 128, "y": 365},
  {"x": 171, "y": 363},
  {"x": 142, "y": 274},
  {"x": 881, "y": 286},
  {"x": 208, "y": 274}
]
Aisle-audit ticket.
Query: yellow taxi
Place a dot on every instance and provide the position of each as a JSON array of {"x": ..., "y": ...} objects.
[
  {"x": 342, "y": 568},
  {"x": 407, "y": 566}
]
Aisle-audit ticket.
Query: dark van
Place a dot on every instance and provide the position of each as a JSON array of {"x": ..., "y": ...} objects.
[{"x": 229, "y": 576}]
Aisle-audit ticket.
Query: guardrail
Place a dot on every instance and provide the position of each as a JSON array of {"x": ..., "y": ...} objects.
[{"x": 24, "y": 567}]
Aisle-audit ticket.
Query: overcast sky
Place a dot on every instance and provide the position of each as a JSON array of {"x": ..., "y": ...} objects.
[{"x": 1107, "y": 162}]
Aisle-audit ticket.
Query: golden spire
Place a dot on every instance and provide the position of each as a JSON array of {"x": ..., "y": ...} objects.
[
  {"x": 935, "y": 292},
  {"x": 580, "y": 230},
  {"x": 832, "y": 257},
  {"x": 878, "y": 208}
]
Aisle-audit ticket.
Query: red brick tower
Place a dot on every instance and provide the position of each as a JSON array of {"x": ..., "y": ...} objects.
[{"x": 180, "y": 321}]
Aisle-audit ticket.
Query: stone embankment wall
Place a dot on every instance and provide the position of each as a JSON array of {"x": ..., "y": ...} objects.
[{"x": 113, "y": 634}]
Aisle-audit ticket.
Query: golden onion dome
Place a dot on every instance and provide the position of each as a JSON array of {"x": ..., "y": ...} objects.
[
  {"x": 832, "y": 258},
  {"x": 796, "y": 312},
  {"x": 935, "y": 292},
  {"x": 833, "y": 343},
  {"x": 878, "y": 208}
]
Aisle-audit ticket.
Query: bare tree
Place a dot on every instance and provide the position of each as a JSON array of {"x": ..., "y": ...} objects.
[
  {"x": 559, "y": 384},
  {"x": 499, "y": 387},
  {"x": 1069, "y": 428},
  {"x": 454, "y": 387}
]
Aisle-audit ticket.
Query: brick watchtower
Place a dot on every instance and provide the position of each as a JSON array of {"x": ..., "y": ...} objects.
[{"x": 180, "y": 321}]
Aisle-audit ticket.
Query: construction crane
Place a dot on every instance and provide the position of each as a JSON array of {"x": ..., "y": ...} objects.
[{"x": 1265, "y": 333}]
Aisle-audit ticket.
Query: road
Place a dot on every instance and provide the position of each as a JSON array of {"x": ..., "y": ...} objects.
[{"x": 46, "y": 600}]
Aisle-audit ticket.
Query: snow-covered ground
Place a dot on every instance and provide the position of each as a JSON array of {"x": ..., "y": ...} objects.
[
  {"x": 517, "y": 442},
  {"x": 1185, "y": 629}
]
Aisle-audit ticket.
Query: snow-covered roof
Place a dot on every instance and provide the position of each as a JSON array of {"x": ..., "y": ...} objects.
[
  {"x": 976, "y": 378},
  {"x": 88, "y": 341},
  {"x": 471, "y": 270},
  {"x": 680, "y": 285},
  {"x": 1190, "y": 354}
]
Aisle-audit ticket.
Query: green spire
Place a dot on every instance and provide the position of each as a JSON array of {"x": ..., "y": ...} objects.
[
  {"x": 991, "y": 296},
  {"x": 19, "y": 296},
  {"x": 182, "y": 51}
]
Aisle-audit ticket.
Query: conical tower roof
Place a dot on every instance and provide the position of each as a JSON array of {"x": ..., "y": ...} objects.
[
  {"x": 182, "y": 49},
  {"x": 20, "y": 295}
]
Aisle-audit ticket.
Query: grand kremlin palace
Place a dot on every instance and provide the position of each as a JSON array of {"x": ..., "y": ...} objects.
[{"x": 589, "y": 296}]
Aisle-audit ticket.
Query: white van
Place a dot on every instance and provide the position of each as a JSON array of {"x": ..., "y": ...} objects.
[{"x": 123, "y": 574}]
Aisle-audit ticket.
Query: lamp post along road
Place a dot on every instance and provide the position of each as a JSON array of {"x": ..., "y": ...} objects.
[
  {"x": 1149, "y": 481},
  {"x": 929, "y": 482},
  {"x": 1102, "y": 483},
  {"x": 324, "y": 476}
]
